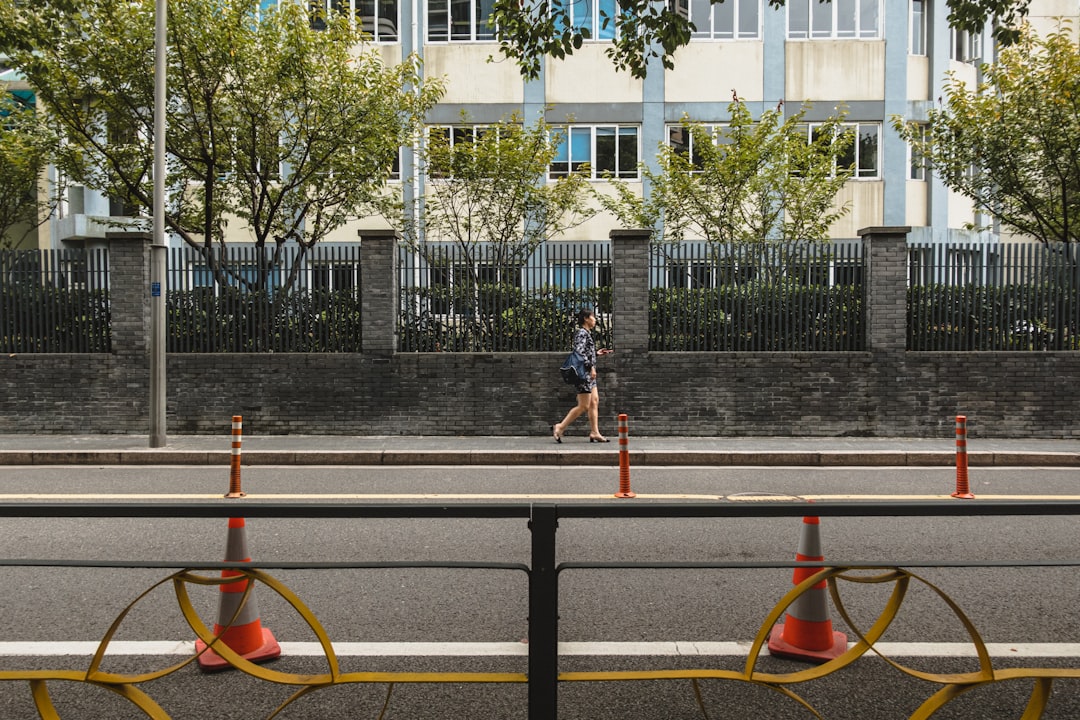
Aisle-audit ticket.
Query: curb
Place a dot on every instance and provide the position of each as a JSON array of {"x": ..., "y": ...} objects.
[{"x": 561, "y": 458}]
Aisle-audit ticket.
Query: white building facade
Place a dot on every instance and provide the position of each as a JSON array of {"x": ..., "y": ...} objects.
[{"x": 876, "y": 59}]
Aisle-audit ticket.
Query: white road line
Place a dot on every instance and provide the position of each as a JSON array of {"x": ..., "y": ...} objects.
[
  {"x": 756, "y": 498},
  {"x": 488, "y": 649}
]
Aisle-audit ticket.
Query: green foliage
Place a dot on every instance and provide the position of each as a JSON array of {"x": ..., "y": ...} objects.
[
  {"x": 1011, "y": 143},
  {"x": 748, "y": 181},
  {"x": 27, "y": 145},
  {"x": 783, "y": 316},
  {"x": 238, "y": 320},
  {"x": 291, "y": 130},
  {"x": 487, "y": 192},
  {"x": 497, "y": 318},
  {"x": 48, "y": 319},
  {"x": 649, "y": 33},
  {"x": 988, "y": 317}
]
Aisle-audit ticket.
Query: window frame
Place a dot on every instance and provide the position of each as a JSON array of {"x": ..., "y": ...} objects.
[
  {"x": 813, "y": 11},
  {"x": 859, "y": 174},
  {"x": 448, "y": 277},
  {"x": 589, "y": 14},
  {"x": 965, "y": 47},
  {"x": 447, "y": 34},
  {"x": 378, "y": 33},
  {"x": 592, "y": 132},
  {"x": 715, "y": 131},
  {"x": 737, "y": 11},
  {"x": 917, "y": 27},
  {"x": 916, "y": 169}
]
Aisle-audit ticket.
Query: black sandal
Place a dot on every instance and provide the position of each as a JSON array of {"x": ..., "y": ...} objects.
[{"x": 557, "y": 436}]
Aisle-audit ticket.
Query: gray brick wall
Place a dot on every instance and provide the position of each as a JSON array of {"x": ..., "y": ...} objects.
[{"x": 884, "y": 391}]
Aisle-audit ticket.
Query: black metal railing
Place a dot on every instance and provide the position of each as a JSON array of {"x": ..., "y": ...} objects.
[
  {"x": 54, "y": 301},
  {"x": 543, "y": 674},
  {"x": 1007, "y": 296},
  {"x": 491, "y": 299},
  {"x": 241, "y": 298},
  {"x": 757, "y": 297}
]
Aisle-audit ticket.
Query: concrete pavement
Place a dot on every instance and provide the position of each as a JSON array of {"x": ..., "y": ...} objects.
[{"x": 16, "y": 449}]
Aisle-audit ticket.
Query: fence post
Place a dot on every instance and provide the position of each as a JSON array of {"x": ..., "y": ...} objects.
[
  {"x": 630, "y": 288},
  {"x": 543, "y": 615},
  {"x": 379, "y": 291},
  {"x": 885, "y": 283},
  {"x": 129, "y": 297}
]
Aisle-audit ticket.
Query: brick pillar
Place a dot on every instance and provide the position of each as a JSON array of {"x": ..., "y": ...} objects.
[
  {"x": 630, "y": 278},
  {"x": 885, "y": 251},
  {"x": 379, "y": 294},
  {"x": 129, "y": 295}
]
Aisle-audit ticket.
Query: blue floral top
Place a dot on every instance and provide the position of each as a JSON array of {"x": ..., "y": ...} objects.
[{"x": 585, "y": 346}]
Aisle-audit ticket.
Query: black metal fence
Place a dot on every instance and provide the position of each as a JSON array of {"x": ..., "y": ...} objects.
[
  {"x": 757, "y": 297},
  {"x": 54, "y": 301},
  {"x": 489, "y": 299},
  {"x": 240, "y": 299},
  {"x": 1007, "y": 296}
]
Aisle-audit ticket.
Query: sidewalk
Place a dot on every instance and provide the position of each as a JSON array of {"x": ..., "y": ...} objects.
[{"x": 533, "y": 450}]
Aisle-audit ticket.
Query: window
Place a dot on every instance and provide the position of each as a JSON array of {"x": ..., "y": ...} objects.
[
  {"x": 814, "y": 20},
  {"x": 863, "y": 154},
  {"x": 605, "y": 149},
  {"x": 589, "y": 15},
  {"x": 917, "y": 38},
  {"x": 395, "y": 167},
  {"x": 451, "y": 135},
  {"x": 460, "y": 20},
  {"x": 966, "y": 47},
  {"x": 729, "y": 20},
  {"x": 377, "y": 18},
  {"x": 580, "y": 274},
  {"x": 584, "y": 278},
  {"x": 698, "y": 274},
  {"x": 457, "y": 288},
  {"x": 916, "y": 161},
  {"x": 333, "y": 276},
  {"x": 682, "y": 141}
]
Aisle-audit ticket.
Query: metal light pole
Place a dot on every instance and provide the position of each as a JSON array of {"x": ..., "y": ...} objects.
[{"x": 158, "y": 248}]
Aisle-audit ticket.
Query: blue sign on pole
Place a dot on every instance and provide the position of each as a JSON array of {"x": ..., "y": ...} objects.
[{"x": 155, "y": 289}]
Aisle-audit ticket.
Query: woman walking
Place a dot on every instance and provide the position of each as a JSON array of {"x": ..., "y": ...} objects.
[{"x": 588, "y": 396}]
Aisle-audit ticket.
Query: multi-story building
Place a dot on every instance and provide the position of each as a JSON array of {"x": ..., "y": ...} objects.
[{"x": 874, "y": 58}]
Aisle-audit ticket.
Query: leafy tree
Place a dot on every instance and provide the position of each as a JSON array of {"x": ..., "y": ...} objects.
[
  {"x": 745, "y": 182},
  {"x": 646, "y": 29},
  {"x": 1012, "y": 143},
  {"x": 487, "y": 206},
  {"x": 488, "y": 187},
  {"x": 26, "y": 146},
  {"x": 291, "y": 130}
]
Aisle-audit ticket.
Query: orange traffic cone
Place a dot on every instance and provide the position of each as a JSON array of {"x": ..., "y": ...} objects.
[
  {"x": 806, "y": 633},
  {"x": 239, "y": 627}
]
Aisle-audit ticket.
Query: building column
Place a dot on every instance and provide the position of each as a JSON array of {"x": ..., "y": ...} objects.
[
  {"x": 630, "y": 281},
  {"x": 379, "y": 291},
  {"x": 885, "y": 282}
]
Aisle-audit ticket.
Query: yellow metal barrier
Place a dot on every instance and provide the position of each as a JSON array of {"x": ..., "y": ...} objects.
[
  {"x": 125, "y": 685},
  {"x": 953, "y": 684}
]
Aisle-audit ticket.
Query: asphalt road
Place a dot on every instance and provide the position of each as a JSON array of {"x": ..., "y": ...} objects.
[{"x": 460, "y": 608}]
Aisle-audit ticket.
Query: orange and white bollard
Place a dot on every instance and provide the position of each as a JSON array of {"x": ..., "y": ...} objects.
[
  {"x": 234, "y": 460},
  {"x": 624, "y": 459},
  {"x": 963, "y": 488}
]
